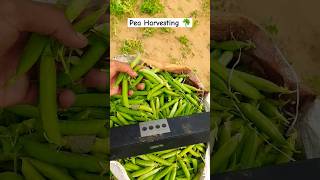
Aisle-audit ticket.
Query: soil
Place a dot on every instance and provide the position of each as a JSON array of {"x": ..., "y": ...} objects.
[
  {"x": 298, "y": 29},
  {"x": 165, "y": 47}
]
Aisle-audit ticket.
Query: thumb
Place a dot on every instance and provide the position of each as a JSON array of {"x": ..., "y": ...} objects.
[{"x": 49, "y": 20}]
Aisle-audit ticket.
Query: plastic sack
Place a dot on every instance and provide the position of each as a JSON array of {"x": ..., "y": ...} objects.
[{"x": 267, "y": 60}]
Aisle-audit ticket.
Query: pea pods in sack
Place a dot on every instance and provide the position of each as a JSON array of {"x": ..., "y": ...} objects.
[
  {"x": 29, "y": 171},
  {"x": 262, "y": 122},
  {"x": 221, "y": 157},
  {"x": 237, "y": 83}
]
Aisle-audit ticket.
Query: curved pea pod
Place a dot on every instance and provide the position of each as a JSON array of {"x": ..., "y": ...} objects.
[
  {"x": 29, "y": 172},
  {"x": 75, "y": 8},
  {"x": 25, "y": 110},
  {"x": 145, "y": 163},
  {"x": 88, "y": 60},
  {"x": 184, "y": 167},
  {"x": 262, "y": 122},
  {"x": 87, "y": 127},
  {"x": 89, "y": 21},
  {"x": 260, "y": 83},
  {"x": 45, "y": 153},
  {"x": 159, "y": 160},
  {"x": 47, "y": 101},
  {"x": 272, "y": 111},
  {"x": 92, "y": 99},
  {"x": 249, "y": 150},
  {"x": 226, "y": 57},
  {"x": 142, "y": 171},
  {"x": 31, "y": 53},
  {"x": 223, "y": 154},
  {"x": 50, "y": 171},
  {"x": 225, "y": 134},
  {"x": 288, "y": 151},
  {"x": 233, "y": 45},
  {"x": 163, "y": 173},
  {"x": 10, "y": 176},
  {"x": 149, "y": 174},
  {"x": 215, "y": 54},
  {"x": 132, "y": 167},
  {"x": 237, "y": 83},
  {"x": 152, "y": 75}
]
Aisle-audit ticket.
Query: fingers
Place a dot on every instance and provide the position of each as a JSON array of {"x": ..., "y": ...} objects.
[
  {"x": 140, "y": 86},
  {"x": 116, "y": 67},
  {"x": 48, "y": 20},
  {"x": 66, "y": 98},
  {"x": 96, "y": 78}
]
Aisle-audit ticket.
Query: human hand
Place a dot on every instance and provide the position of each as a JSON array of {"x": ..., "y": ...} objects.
[
  {"x": 116, "y": 68},
  {"x": 17, "y": 18}
]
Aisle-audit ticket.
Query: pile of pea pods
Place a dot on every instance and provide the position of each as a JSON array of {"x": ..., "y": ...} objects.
[
  {"x": 248, "y": 117},
  {"x": 164, "y": 95},
  {"x": 46, "y": 140}
]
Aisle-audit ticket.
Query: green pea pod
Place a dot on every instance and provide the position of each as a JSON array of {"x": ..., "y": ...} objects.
[
  {"x": 101, "y": 145},
  {"x": 136, "y": 61},
  {"x": 262, "y": 122},
  {"x": 89, "y": 21},
  {"x": 10, "y": 176},
  {"x": 50, "y": 171},
  {"x": 145, "y": 163},
  {"x": 237, "y": 83},
  {"x": 249, "y": 150},
  {"x": 151, "y": 74},
  {"x": 142, "y": 172},
  {"x": 163, "y": 173},
  {"x": 92, "y": 100},
  {"x": 122, "y": 119},
  {"x": 184, "y": 167},
  {"x": 31, "y": 53},
  {"x": 75, "y": 8},
  {"x": 272, "y": 111},
  {"x": 24, "y": 110},
  {"x": 48, "y": 102},
  {"x": 151, "y": 173},
  {"x": 173, "y": 110},
  {"x": 226, "y": 57},
  {"x": 222, "y": 155},
  {"x": 85, "y": 127},
  {"x": 173, "y": 172},
  {"x": 29, "y": 171},
  {"x": 288, "y": 151},
  {"x": 45, "y": 153},
  {"x": 132, "y": 166},
  {"x": 159, "y": 160},
  {"x": 88, "y": 60},
  {"x": 260, "y": 83}
]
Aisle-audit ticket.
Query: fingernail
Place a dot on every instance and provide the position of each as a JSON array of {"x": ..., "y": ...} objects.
[{"x": 82, "y": 37}]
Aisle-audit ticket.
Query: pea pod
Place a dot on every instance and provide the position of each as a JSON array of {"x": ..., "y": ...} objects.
[
  {"x": 184, "y": 168},
  {"x": 24, "y": 110},
  {"x": 47, "y": 102},
  {"x": 151, "y": 173},
  {"x": 222, "y": 155},
  {"x": 237, "y": 83},
  {"x": 50, "y": 171},
  {"x": 159, "y": 160},
  {"x": 262, "y": 122},
  {"x": 163, "y": 173},
  {"x": 29, "y": 172},
  {"x": 260, "y": 83},
  {"x": 88, "y": 60},
  {"x": 46, "y": 154},
  {"x": 142, "y": 172},
  {"x": 10, "y": 176}
]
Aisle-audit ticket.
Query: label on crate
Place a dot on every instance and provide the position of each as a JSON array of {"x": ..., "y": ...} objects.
[{"x": 152, "y": 128}]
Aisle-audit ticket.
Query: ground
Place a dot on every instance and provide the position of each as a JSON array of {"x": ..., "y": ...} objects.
[{"x": 181, "y": 46}]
